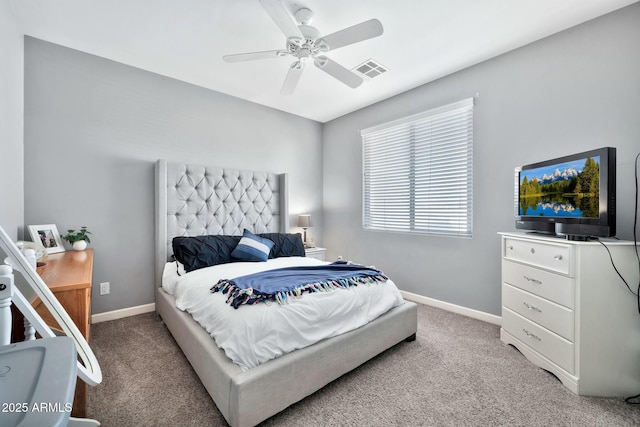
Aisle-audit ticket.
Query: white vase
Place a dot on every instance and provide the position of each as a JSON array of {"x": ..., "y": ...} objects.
[{"x": 80, "y": 245}]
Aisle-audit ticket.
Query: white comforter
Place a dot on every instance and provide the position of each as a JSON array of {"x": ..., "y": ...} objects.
[{"x": 255, "y": 334}]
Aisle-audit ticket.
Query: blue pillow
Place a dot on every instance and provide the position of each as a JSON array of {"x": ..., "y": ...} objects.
[
  {"x": 285, "y": 245},
  {"x": 252, "y": 247}
]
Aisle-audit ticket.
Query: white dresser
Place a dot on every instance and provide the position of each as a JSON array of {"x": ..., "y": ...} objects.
[{"x": 565, "y": 308}]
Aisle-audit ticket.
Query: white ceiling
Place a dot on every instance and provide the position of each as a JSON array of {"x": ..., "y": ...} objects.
[{"x": 422, "y": 41}]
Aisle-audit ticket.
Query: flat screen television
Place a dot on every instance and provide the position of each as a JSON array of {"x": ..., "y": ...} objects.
[{"x": 572, "y": 196}]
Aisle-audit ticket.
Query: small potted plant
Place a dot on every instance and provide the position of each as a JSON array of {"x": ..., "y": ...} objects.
[{"x": 78, "y": 239}]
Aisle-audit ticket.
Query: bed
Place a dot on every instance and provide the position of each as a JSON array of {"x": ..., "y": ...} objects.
[{"x": 193, "y": 200}]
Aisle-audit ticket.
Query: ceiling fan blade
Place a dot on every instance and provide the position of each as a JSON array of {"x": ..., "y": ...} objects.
[
  {"x": 354, "y": 34},
  {"x": 250, "y": 56},
  {"x": 292, "y": 79},
  {"x": 282, "y": 18},
  {"x": 338, "y": 71}
]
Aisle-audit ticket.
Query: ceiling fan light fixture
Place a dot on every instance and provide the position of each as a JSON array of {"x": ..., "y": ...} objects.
[{"x": 305, "y": 54}]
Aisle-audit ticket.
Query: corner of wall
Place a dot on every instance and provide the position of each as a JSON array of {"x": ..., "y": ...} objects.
[{"x": 12, "y": 117}]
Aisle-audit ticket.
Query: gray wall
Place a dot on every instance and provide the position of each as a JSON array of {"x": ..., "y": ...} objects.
[
  {"x": 93, "y": 131},
  {"x": 11, "y": 123},
  {"x": 574, "y": 91}
]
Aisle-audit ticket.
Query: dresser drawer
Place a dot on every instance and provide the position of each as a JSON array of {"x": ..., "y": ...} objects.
[
  {"x": 555, "y": 348},
  {"x": 545, "y": 313},
  {"x": 554, "y": 287},
  {"x": 554, "y": 257}
]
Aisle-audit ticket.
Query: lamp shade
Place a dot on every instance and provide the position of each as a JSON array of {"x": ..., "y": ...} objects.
[{"x": 304, "y": 221}]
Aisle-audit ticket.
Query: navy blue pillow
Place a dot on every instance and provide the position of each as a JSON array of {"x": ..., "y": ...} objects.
[
  {"x": 204, "y": 251},
  {"x": 252, "y": 247},
  {"x": 285, "y": 244}
]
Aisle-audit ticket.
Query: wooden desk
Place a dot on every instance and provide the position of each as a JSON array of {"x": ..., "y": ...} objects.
[{"x": 68, "y": 275}]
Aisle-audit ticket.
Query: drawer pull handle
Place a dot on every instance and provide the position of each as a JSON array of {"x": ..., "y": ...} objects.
[
  {"x": 529, "y": 279},
  {"x": 558, "y": 257},
  {"x": 530, "y": 335},
  {"x": 532, "y": 307},
  {"x": 510, "y": 247}
]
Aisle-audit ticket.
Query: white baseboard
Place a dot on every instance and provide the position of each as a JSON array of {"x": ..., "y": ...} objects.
[
  {"x": 469, "y": 312},
  {"x": 124, "y": 312}
]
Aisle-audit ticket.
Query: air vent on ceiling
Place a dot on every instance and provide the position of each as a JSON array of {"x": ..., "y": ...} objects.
[{"x": 370, "y": 69}]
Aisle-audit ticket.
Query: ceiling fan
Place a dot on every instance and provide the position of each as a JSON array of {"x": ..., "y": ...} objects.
[{"x": 306, "y": 45}]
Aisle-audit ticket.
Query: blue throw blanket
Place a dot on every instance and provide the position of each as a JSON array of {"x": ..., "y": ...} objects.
[{"x": 284, "y": 283}]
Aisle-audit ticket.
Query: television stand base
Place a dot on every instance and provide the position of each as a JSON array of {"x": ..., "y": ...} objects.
[
  {"x": 577, "y": 238},
  {"x": 571, "y": 237}
]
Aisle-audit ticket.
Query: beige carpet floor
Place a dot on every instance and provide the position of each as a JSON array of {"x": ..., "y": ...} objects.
[{"x": 457, "y": 373}]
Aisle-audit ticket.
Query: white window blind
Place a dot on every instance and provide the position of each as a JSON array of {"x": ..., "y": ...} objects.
[{"x": 418, "y": 172}]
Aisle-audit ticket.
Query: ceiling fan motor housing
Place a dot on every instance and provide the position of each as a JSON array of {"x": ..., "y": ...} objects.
[{"x": 307, "y": 48}]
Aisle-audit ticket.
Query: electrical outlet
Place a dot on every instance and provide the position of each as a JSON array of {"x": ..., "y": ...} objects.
[{"x": 104, "y": 288}]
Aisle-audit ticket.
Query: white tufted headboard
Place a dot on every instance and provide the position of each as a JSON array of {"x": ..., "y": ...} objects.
[{"x": 194, "y": 200}]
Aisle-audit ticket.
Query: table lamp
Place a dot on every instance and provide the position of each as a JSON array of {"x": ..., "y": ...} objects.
[{"x": 304, "y": 222}]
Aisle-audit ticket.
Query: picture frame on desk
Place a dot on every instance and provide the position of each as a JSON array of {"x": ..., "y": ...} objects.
[{"x": 47, "y": 235}]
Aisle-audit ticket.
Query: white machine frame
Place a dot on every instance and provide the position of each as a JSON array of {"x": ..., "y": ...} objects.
[{"x": 88, "y": 367}]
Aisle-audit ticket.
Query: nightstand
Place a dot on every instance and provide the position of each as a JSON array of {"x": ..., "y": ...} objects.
[{"x": 317, "y": 253}]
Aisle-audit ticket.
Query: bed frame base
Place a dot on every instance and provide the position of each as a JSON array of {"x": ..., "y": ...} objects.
[{"x": 246, "y": 398}]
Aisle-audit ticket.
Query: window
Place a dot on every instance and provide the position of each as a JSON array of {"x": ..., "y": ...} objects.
[{"x": 418, "y": 172}]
